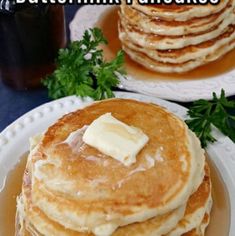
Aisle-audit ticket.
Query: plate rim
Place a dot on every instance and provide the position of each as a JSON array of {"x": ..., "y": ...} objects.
[
  {"x": 29, "y": 124},
  {"x": 190, "y": 90}
]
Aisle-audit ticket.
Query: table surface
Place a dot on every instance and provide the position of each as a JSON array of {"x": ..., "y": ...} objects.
[{"x": 13, "y": 103}]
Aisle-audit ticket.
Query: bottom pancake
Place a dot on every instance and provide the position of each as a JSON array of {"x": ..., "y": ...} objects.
[
  {"x": 199, "y": 231},
  {"x": 190, "y": 222}
]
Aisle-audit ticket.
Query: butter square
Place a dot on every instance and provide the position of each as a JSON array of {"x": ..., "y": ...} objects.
[{"x": 115, "y": 138}]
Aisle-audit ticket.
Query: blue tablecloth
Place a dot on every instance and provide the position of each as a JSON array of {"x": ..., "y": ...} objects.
[{"x": 13, "y": 103}]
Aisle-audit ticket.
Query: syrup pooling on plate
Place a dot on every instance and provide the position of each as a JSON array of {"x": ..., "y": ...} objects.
[
  {"x": 8, "y": 197},
  {"x": 109, "y": 24},
  {"x": 220, "y": 214}
]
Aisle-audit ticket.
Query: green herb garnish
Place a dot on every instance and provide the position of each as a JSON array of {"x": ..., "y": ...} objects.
[
  {"x": 203, "y": 114},
  {"x": 81, "y": 69}
]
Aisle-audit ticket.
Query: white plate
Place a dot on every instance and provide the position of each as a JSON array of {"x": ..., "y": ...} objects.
[
  {"x": 187, "y": 90},
  {"x": 14, "y": 140}
]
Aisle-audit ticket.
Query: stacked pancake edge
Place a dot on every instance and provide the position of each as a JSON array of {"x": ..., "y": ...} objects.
[{"x": 177, "y": 39}]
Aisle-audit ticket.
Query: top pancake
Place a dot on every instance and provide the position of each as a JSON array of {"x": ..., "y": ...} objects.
[
  {"x": 179, "y": 12},
  {"x": 91, "y": 191}
]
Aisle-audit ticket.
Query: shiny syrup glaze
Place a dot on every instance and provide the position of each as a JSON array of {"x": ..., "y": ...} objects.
[
  {"x": 108, "y": 23},
  {"x": 220, "y": 215}
]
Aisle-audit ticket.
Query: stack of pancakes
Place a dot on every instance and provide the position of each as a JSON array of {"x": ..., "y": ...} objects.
[
  {"x": 70, "y": 188},
  {"x": 177, "y": 38}
]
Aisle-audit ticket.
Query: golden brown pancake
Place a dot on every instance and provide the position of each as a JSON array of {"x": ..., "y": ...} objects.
[
  {"x": 78, "y": 188},
  {"x": 198, "y": 206},
  {"x": 192, "y": 52},
  {"x": 185, "y": 59},
  {"x": 35, "y": 221}
]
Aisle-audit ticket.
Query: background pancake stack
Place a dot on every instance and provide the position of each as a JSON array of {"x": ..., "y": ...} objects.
[
  {"x": 71, "y": 189},
  {"x": 177, "y": 38}
]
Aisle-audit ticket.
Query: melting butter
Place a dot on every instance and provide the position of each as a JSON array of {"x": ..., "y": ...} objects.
[{"x": 115, "y": 138}]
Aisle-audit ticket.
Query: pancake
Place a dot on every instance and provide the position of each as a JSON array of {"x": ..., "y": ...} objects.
[
  {"x": 179, "y": 12},
  {"x": 199, "y": 231},
  {"x": 160, "y": 42},
  {"x": 153, "y": 25},
  {"x": 158, "y": 66},
  {"x": 198, "y": 206},
  {"x": 34, "y": 220},
  {"x": 93, "y": 193},
  {"x": 196, "y": 216},
  {"x": 193, "y": 52}
]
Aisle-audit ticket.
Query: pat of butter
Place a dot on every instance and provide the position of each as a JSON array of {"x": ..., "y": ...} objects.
[{"x": 115, "y": 138}]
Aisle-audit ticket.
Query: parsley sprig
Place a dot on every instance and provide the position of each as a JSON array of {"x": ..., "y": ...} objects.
[
  {"x": 203, "y": 114},
  {"x": 81, "y": 69}
]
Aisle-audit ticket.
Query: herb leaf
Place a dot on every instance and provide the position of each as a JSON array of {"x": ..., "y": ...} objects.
[
  {"x": 81, "y": 69},
  {"x": 203, "y": 114}
]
